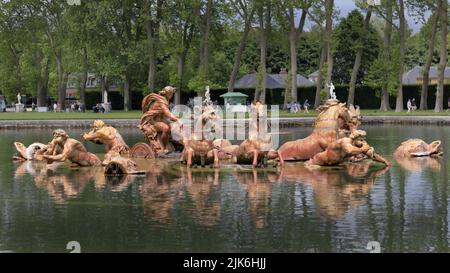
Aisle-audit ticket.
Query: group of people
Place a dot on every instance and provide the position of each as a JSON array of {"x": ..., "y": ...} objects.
[
  {"x": 98, "y": 108},
  {"x": 73, "y": 107},
  {"x": 77, "y": 107},
  {"x": 295, "y": 107}
]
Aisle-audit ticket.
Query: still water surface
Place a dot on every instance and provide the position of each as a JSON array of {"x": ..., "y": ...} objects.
[{"x": 172, "y": 209}]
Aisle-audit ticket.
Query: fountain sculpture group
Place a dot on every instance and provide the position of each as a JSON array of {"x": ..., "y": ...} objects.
[{"x": 334, "y": 141}]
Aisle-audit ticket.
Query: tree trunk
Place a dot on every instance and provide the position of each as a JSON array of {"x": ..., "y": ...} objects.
[
  {"x": 386, "y": 57},
  {"x": 293, "y": 53},
  {"x": 402, "y": 38},
  {"x": 204, "y": 43},
  {"x": 426, "y": 69},
  {"x": 357, "y": 63},
  {"x": 239, "y": 51},
  {"x": 180, "y": 72},
  {"x": 152, "y": 50},
  {"x": 319, "y": 77},
  {"x": 45, "y": 77},
  {"x": 152, "y": 28},
  {"x": 443, "y": 57},
  {"x": 84, "y": 77},
  {"x": 262, "y": 63},
  {"x": 126, "y": 93},
  {"x": 60, "y": 81},
  {"x": 41, "y": 100},
  {"x": 328, "y": 36}
]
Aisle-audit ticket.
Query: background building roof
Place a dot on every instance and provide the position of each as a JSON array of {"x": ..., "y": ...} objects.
[
  {"x": 273, "y": 81},
  {"x": 233, "y": 95},
  {"x": 411, "y": 76}
]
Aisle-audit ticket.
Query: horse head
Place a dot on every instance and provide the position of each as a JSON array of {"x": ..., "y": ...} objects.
[
  {"x": 333, "y": 115},
  {"x": 206, "y": 121},
  {"x": 355, "y": 117}
]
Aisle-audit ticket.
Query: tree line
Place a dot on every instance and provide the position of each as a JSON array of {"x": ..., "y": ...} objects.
[{"x": 147, "y": 44}]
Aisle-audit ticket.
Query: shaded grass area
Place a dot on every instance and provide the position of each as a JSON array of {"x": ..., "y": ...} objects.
[{"x": 137, "y": 114}]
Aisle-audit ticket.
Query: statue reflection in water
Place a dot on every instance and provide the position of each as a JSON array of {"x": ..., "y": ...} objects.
[
  {"x": 418, "y": 164},
  {"x": 165, "y": 185},
  {"x": 336, "y": 191},
  {"x": 65, "y": 184},
  {"x": 258, "y": 185}
]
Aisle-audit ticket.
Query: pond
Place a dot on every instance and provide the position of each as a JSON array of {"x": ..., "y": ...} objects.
[{"x": 235, "y": 209}]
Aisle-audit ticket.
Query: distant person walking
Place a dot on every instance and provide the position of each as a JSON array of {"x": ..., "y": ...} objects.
[
  {"x": 413, "y": 105},
  {"x": 409, "y": 105},
  {"x": 55, "y": 107},
  {"x": 306, "y": 105},
  {"x": 448, "y": 104}
]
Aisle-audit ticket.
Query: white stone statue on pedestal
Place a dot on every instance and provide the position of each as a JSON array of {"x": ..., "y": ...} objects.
[
  {"x": 332, "y": 93},
  {"x": 19, "y": 97},
  {"x": 105, "y": 103},
  {"x": 207, "y": 100}
]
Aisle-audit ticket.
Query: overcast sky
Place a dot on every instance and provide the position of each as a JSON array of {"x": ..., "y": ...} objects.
[{"x": 345, "y": 6}]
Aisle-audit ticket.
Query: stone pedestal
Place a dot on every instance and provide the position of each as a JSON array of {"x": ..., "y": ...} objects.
[{"x": 19, "y": 107}]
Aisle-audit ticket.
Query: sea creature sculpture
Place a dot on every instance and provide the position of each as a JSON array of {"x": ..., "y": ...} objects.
[
  {"x": 418, "y": 148},
  {"x": 27, "y": 153},
  {"x": 72, "y": 150}
]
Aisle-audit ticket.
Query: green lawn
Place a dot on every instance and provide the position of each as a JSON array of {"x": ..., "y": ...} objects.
[
  {"x": 137, "y": 114},
  {"x": 70, "y": 115}
]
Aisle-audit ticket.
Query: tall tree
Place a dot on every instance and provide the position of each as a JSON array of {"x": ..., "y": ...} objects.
[
  {"x": 426, "y": 69},
  {"x": 319, "y": 16},
  {"x": 443, "y": 14},
  {"x": 205, "y": 29},
  {"x": 11, "y": 48},
  {"x": 328, "y": 37},
  {"x": 153, "y": 19},
  {"x": 358, "y": 56},
  {"x": 288, "y": 11},
  {"x": 402, "y": 37},
  {"x": 419, "y": 9},
  {"x": 264, "y": 11},
  {"x": 121, "y": 32},
  {"x": 56, "y": 30},
  {"x": 180, "y": 29},
  {"x": 246, "y": 12},
  {"x": 387, "y": 37}
]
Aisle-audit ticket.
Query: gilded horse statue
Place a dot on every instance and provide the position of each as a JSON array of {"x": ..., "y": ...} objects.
[
  {"x": 257, "y": 148},
  {"x": 334, "y": 121}
]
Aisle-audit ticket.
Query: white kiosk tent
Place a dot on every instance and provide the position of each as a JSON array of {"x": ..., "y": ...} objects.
[{"x": 235, "y": 101}]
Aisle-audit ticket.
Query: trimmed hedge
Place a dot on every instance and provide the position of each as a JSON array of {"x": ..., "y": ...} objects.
[
  {"x": 116, "y": 99},
  {"x": 366, "y": 97}
]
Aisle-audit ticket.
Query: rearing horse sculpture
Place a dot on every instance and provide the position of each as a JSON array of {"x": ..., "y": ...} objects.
[
  {"x": 334, "y": 121},
  {"x": 199, "y": 149}
]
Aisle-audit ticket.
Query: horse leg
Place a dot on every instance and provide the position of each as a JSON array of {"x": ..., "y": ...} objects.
[
  {"x": 255, "y": 158},
  {"x": 216, "y": 158},
  {"x": 189, "y": 158}
]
